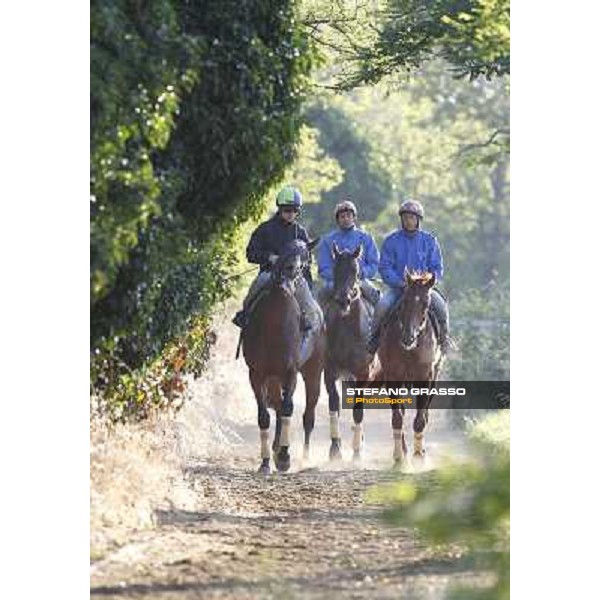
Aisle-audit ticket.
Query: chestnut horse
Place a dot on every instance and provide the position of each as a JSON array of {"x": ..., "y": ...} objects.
[
  {"x": 271, "y": 345},
  {"x": 409, "y": 352},
  {"x": 348, "y": 319}
]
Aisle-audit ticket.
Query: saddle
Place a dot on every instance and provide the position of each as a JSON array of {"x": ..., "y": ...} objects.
[
  {"x": 256, "y": 300},
  {"x": 252, "y": 307}
]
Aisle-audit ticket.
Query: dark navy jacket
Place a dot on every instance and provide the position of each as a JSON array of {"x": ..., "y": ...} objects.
[{"x": 270, "y": 237}]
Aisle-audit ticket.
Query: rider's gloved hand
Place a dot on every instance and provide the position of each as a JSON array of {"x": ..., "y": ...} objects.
[{"x": 273, "y": 258}]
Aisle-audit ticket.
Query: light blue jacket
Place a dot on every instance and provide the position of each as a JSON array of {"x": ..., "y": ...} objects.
[
  {"x": 418, "y": 251},
  {"x": 348, "y": 239}
]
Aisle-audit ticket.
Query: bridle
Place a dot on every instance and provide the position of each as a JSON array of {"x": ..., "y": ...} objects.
[
  {"x": 286, "y": 281},
  {"x": 349, "y": 291},
  {"x": 401, "y": 326}
]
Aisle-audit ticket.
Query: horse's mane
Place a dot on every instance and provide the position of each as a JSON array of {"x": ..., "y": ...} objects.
[
  {"x": 294, "y": 247},
  {"x": 421, "y": 277}
]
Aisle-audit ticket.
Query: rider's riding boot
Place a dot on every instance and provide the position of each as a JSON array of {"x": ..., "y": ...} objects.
[
  {"x": 373, "y": 342},
  {"x": 373, "y": 296},
  {"x": 305, "y": 345},
  {"x": 370, "y": 292},
  {"x": 305, "y": 325},
  {"x": 445, "y": 341},
  {"x": 240, "y": 319}
]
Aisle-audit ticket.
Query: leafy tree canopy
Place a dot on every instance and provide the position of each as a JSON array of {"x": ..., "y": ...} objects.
[{"x": 370, "y": 41}]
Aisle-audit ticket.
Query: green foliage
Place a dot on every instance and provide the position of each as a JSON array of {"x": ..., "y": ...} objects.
[
  {"x": 420, "y": 141},
  {"x": 140, "y": 67},
  {"x": 121, "y": 393},
  {"x": 481, "y": 327},
  {"x": 410, "y": 142},
  {"x": 195, "y": 116},
  {"x": 197, "y": 111},
  {"x": 371, "y": 41},
  {"x": 314, "y": 171},
  {"x": 341, "y": 138},
  {"x": 466, "y": 505},
  {"x": 479, "y": 40}
]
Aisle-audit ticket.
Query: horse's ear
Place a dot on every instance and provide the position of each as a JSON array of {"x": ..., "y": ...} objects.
[
  {"x": 311, "y": 245},
  {"x": 431, "y": 282},
  {"x": 335, "y": 251},
  {"x": 358, "y": 252}
]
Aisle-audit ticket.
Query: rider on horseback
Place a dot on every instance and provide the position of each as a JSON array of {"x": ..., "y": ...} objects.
[
  {"x": 264, "y": 248},
  {"x": 348, "y": 236},
  {"x": 416, "y": 250}
]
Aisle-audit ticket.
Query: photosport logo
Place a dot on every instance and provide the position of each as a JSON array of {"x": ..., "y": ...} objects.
[{"x": 419, "y": 394}]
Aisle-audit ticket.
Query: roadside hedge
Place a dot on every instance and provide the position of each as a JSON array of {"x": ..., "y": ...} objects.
[{"x": 194, "y": 117}]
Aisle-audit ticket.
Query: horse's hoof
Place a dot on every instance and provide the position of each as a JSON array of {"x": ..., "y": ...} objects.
[
  {"x": 265, "y": 468},
  {"x": 399, "y": 464},
  {"x": 418, "y": 459},
  {"x": 357, "y": 456},
  {"x": 275, "y": 448},
  {"x": 306, "y": 453},
  {"x": 335, "y": 450},
  {"x": 283, "y": 460}
]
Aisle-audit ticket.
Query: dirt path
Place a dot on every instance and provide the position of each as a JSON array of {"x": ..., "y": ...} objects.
[{"x": 308, "y": 533}]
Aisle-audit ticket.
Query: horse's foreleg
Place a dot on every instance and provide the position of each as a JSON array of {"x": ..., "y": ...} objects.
[
  {"x": 264, "y": 420},
  {"x": 419, "y": 424},
  {"x": 400, "y": 448},
  {"x": 357, "y": 430},
  {"x": 277, "y": 438},
  {"x": 287, "y": 409},
  {"x": 335, "y": 450},
  {"x": 312, "y": 383},
  {"x": 358, "y": 412}
]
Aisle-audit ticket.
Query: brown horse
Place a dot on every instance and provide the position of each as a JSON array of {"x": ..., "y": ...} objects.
[
  {"x": 348, "y": 317},
  {"x": 410, "y": 352},
  {"x": 271, "y": 345}
]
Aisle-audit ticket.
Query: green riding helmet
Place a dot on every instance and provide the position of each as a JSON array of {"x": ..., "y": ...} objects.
[{"x": 289, "y": 196}]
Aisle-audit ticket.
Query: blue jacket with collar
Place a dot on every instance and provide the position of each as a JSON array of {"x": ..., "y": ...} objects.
[
  {"x": 417, "y": 251},
  {"x": 348, "y": 239}
]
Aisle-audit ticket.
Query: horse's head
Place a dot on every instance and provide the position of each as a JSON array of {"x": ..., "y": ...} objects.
[
  {"x": 345, "y": 277},
  {"x": 416, "y": 298},
  {"x": 291, "y": 263}
]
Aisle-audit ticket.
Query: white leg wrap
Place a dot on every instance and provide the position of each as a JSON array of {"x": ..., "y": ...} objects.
[
  {"x": 398, "y": 449},
  {"x": 419, "y": 442},
  {"x": 265, "y": 451},
  {"x": 334, "y": 425},
  {"x": 285, "y": 431},
  {"x": 357, "y": 437}
]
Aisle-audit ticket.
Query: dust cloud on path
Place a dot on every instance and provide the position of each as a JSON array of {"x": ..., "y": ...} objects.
[{"x": 306, "y": 533}]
